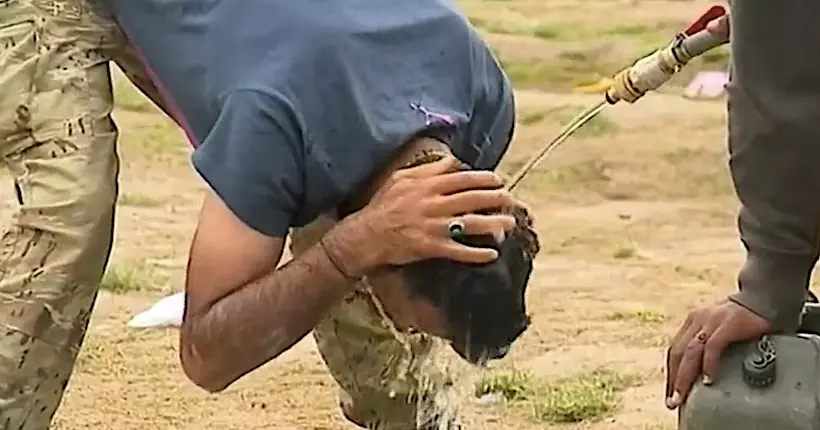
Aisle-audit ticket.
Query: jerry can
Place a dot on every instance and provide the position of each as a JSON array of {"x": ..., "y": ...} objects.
[{"x": 769, "y": 384}]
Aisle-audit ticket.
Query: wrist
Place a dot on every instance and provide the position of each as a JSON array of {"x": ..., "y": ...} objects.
[
  {"x": 774, "y": 286},
  {"x": 349, "y": 246}
]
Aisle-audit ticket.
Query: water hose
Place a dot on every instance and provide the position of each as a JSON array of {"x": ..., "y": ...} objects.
[{"x": 632, "y": 83}]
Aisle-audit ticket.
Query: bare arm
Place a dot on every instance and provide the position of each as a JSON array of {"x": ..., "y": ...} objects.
[{"x": 240, "y": 312}]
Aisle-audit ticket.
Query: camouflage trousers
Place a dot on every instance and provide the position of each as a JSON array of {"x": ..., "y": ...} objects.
[
  {"x": 389, "y": 380},
  {"x": 58, "y": 141}
]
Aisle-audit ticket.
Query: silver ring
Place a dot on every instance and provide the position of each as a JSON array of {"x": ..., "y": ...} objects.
[{"x": 455, "y": 228}]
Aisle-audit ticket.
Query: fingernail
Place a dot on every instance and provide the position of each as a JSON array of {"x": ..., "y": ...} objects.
[
  {"x": 707, "y": 380},
  {"x": 674, "y": 401}
]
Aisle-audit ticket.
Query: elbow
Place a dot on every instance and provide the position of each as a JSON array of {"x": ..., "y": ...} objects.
[{"x": 203, "y": 365}]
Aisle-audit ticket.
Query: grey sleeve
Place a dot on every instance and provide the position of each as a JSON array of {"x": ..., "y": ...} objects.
[
  {"x": 774, "y": 146},
  {"x": 252, "y": 160}
]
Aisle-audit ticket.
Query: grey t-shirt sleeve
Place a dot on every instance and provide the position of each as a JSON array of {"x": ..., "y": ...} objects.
[
  {"x": 774, "y": 145},
  {"x": 251, "y": 159}
]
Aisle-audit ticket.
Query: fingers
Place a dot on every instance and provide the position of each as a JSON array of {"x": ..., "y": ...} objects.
[
  {"x": 427, "y": 170},
  {"x": 719, "y": 26},
  {"x": 713, "y": 349},
  {"x": 672, "y": 357},
  {"x": 691, "y": 366},
  {"x": 471, "y": 201},
  {"x": 455, "y": 251},
  {"x": 474, "y": 225},
  {"x": 675, "y": 355},
  {"x": 455, "y": 182},
  {"x": 494, "y": 225},
  {"x": 740, "y": 325}
]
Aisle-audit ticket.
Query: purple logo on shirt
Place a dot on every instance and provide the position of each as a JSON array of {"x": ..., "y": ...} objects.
[{"x": 433, "y": 118}]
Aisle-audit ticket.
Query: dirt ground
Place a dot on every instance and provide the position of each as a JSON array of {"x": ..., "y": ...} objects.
[{"x": 636, "y": 216}]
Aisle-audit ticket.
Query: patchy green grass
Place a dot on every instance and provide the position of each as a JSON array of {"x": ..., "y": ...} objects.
[
  {"x": 717, "y": 59},
  {"x": 160, "y": 142},
  {"x": 625, "y": 252},
  {"x": 643, "y": 316},
  {"x": 511, "y": 385},
  {"x": 122, "y": 279},
  {"x": 552, "y": 30},
  {"x": 162, "y": 138},
  {"x": 628, "y": 30},
  {"x": 568, "y": 70},
  {"x": 493, "y": 26},
  {"x": 577, "y": 51},
  {"x": 588, "y": 396},
  {"x": 547, "y": 31},
  {"x": 599, "y": 125},
  {"x": 128, "y": 97},
  {"x": 533, "y": 116}
]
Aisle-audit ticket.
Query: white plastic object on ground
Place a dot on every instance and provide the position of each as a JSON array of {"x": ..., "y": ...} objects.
[
  {"x": 167, "y": 312},
  {"x": 490, "y": 399},
  {"x": 707, "y": 85}
]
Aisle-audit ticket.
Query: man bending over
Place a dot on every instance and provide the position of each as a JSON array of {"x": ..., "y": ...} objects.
[{"x": 297, "y": 109}]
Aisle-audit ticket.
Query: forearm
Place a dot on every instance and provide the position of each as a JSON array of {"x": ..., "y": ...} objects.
[
  {"x": 774, "y": 142},
  {"x": 259, "y": 321}
]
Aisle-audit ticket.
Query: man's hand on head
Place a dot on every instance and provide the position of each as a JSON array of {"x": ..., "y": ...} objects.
[
  {"x": 242, "y": 312},
  {"x": 408, "y": 217}
]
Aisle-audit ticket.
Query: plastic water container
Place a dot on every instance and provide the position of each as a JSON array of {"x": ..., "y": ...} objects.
[{"x": 770, "y": 384}]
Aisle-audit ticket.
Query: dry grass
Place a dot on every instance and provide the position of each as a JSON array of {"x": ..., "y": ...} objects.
[{"x": 635, "y": 213}]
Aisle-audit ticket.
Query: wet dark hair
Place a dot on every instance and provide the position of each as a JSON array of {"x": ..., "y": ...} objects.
[{"x": 483, "y": 305}]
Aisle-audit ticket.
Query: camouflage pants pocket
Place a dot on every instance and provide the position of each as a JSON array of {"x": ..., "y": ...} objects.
[{"x": 58, "y": 141}]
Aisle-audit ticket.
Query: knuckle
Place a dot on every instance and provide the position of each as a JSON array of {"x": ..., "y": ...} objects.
[
  {"x": 493, "y": 177},
  {"x": 694, "y": 348},
  {"x": 425, "y": 245},
  {"x": 484, "y": 176},
  {"x": 713, "y": 345}
]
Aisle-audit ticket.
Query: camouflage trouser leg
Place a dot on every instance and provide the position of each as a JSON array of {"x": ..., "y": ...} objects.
[
  {"x": 388, "y": 382},
  {"x": 58, "y": 142}
]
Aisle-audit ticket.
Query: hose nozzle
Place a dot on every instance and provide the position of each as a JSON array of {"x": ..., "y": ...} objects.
[{"x": 656, "y": 69}]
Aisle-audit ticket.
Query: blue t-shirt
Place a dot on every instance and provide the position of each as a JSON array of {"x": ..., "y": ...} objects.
[{"x": 294, "y": 104}]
